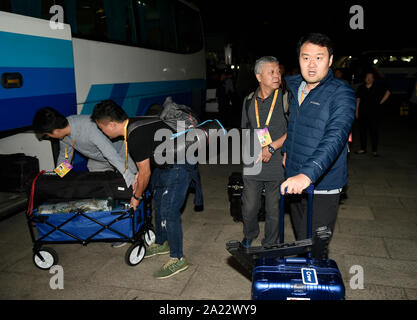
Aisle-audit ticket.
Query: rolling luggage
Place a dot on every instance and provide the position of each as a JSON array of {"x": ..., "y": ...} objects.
[
  {"x": 314, "y": 277},
  {"x": 17, "y": 171},
  {"x": 234, "y": 190}
]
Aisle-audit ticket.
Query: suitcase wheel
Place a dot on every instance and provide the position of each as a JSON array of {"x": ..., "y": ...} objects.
[
  {"x": 149, "y": 237},
  {"x": 135, "y": 254},
  {"x": 45, "y": 258}
]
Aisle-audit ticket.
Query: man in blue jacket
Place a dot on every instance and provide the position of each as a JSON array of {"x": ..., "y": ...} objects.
[{"x": 322, "y": 111}]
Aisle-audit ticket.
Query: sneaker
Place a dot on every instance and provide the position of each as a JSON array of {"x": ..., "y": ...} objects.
[
  {"x": 246, "y": 243},
  {"x": 155, "y": 249},
  {"x": 172, "y": 267},
  {"x": 118, "y": 244}
]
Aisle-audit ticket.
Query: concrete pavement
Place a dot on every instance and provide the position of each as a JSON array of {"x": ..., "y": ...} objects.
[{"x": 376, "y": 229}]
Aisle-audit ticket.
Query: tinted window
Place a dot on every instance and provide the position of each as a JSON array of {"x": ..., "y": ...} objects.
[
  {"x": 188, "y": 28},
  {"x": 104, "y": 20},
  {"x": 155, "y": 24},
  {"x": 36, "y": 9}
]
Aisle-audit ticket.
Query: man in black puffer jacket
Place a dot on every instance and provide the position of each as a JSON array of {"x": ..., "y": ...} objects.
[{"x": 322, "y": 112}]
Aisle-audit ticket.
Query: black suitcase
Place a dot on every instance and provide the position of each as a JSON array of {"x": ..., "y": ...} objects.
[
  {"x": 82, "y": 185},
  {"x": 234, "y": 190},
  {"x": 17, "y": 171}
]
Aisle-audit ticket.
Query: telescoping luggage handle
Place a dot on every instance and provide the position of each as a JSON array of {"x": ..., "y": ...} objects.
[{"x": 310, "y": 192}]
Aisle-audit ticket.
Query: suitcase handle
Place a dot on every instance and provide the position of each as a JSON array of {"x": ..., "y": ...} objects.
[
  {"x": 295, "y": 260},
  {"x": 310, "y": 192}
]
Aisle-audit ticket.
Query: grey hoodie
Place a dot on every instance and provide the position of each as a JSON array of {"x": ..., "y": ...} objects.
[{"x": 93, "y": 144}]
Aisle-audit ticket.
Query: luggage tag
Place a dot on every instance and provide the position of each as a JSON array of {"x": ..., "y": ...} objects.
[
  {"x": 63, "y": 168},
  {"x": 309, "y": 276},
  {"x": 264, "y": 136}
]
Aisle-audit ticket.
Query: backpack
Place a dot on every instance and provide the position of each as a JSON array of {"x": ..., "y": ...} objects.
[{"x": 173, "y": 113}]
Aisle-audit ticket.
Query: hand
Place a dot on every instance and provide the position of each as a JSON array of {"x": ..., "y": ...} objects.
[
  {"x": 296, "y": 184},
  {"x": 284, "y": 158},
  {"x": 266, "y": 155},
  {"x": 357, "y": 114},
  {"x": 134, "y": 203}
]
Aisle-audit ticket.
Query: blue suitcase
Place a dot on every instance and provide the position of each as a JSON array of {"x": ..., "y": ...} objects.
[{"x": 297, "y": 278}]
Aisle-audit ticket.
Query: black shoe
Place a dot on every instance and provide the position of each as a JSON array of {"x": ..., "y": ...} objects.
[
  {"x": 246, "y": 243},
  {"x": 199, "y": 208}
]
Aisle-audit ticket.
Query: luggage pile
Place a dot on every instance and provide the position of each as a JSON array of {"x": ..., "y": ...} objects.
[{"x": 72, "y": 219}]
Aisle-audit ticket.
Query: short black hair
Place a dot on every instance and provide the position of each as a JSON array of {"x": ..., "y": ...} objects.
[
  {"x": 48, "y": 119},
  {"x": 108, "y": 110},
  {"x": 319, "y": 39}
]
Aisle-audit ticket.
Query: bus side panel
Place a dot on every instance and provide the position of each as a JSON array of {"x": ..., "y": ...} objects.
[
  {"x": 47, "y": 70},
  {"x": 136, "y": 98}
]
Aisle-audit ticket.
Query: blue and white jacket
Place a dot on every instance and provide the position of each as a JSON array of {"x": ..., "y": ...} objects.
[{"x": 318, "y": 131}]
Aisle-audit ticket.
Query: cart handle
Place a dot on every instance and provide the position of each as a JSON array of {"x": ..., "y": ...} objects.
[{"x": 32, "y": 193}]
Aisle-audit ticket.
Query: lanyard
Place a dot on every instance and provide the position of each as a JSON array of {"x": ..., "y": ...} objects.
[
  {"x": 66, "y": 151},
  {"x": 125, "y": 138},
  {"x": 270, "y": 110},
  {"x": 301, "y": 98}
]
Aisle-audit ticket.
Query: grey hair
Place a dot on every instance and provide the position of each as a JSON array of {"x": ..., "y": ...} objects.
[{"x": 260, "y": 63}]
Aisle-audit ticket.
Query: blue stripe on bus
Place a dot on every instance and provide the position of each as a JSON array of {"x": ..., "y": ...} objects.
[
  {"x": 135, "y": 98},
  {"x": 40, "y": 81},
  {"x": 17, "y": 113},
  {"x": 32, "y": 51}
]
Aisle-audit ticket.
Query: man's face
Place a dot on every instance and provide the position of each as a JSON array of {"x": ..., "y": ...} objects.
[
  {"x": 56, "y": 134},
  {"x": 108, "y": 128},
  {"x": 270, "y": 77},
  {"x": 314, "y": 62},
  {"x": 369, "y": 79}
]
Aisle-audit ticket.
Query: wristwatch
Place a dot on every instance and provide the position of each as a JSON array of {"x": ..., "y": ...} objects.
[
  {"x": 271, "y": 149},
  {"x": 137, "y": 198}
]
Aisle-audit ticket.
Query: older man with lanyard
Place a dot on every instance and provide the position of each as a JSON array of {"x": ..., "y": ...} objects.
[{"x": 263, "y": 114}]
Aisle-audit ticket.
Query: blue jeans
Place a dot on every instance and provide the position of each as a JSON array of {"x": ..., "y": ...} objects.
[{"x": 169, "y": 187}]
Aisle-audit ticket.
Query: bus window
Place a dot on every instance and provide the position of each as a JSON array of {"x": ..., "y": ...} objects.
[
  {"x": 91, "y": 19},
  {"x": 31, "y": 8},
  {"x": 189, "y": 29},
  {"x": 156, "y": 25},
  {"x": 103, "y": 20}
]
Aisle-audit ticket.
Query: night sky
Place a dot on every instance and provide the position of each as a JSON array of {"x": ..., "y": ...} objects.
[{"x": 262, "y": 27}]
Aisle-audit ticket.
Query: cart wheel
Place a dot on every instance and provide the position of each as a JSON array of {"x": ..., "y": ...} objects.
[
  {"x": 135, "y": 253},
  {"x": 45, "y": 258},
  {"x": 149, "y": 237}
]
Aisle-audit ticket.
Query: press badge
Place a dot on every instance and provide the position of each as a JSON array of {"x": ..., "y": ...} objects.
[
  {"x": 264, "y": 136},
  {"x": 63, "y": 168}
]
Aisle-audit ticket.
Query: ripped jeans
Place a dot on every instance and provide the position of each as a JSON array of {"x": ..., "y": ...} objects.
[{"x": 169, "y": 187}]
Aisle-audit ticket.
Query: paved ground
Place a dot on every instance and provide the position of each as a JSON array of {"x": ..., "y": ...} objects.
[{"x": 376, "y": 229}]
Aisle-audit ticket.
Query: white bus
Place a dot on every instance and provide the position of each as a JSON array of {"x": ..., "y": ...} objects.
[{"x": 135, "y": 52}]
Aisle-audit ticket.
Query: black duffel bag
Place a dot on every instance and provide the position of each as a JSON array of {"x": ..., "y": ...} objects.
[
  {"x": 17, "y": 171},
  {"x": 81, "y": 185}
]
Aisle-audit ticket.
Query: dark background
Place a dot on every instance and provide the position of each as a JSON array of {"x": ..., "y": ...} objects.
[{"x": 256, "y": 28}]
